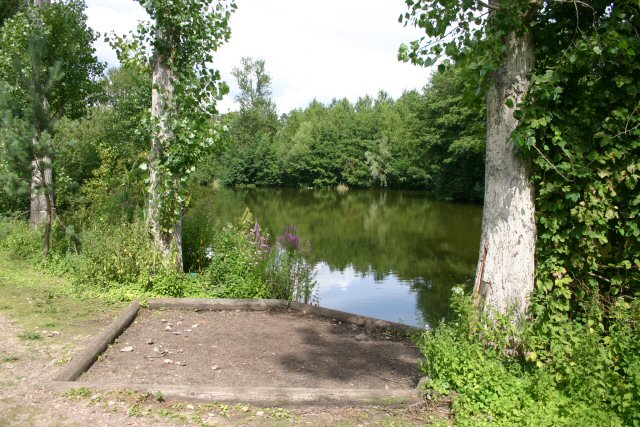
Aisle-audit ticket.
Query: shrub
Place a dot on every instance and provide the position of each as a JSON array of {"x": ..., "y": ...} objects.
[
  {"x": 581, "y": 382},
  {"x": 20, "y": 239},
  {"x": 235, "y": 270},
  {"x": 116, "y": 255},
  {"x": 288, "y": 273}
]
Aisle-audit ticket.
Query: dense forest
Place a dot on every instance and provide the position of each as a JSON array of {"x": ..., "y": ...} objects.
[
  {"x": 430, "y": 140},
  {"x": 98, "y": 170}
]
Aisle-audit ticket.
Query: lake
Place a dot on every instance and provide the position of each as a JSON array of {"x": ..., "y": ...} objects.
[{"x": 389, "y": 254}]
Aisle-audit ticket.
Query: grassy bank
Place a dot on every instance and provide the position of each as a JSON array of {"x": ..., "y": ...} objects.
[{"x": 40, "y": 301}]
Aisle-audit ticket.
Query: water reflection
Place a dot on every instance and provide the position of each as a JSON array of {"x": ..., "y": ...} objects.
[{"x": 388, "y": 254}]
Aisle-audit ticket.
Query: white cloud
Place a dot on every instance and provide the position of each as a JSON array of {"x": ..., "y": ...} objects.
[{"x": 321, "y": 49}]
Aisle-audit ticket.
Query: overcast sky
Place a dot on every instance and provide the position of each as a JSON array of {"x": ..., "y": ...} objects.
[{"x": 321, "y": 49}]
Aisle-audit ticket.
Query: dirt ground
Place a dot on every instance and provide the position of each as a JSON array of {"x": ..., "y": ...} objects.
[
  {"x": 226, "y": 349},
  {"x": 27, "y": 366}
]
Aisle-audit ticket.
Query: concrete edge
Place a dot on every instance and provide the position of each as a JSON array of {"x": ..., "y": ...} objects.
[
  {"x": 83, "y": 361},
  {"x": 218, "y": 304},
  {"x": 355, "y": 319},
  {"x": 260, "y": 396}
]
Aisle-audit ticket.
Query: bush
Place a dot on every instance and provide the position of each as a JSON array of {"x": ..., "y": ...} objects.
[
  {"x": 587, "y": 378},
  {"x": 288, "y": 273},
  {"x": 20, "y": 239},
  {"x": 122, "y": 262},
  {"x": 236, "y": 267}
]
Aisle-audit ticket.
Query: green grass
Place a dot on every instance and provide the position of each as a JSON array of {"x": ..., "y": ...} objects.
[
  {"x": 37, "y": 301},
  {"x": 30, "y": 336}
]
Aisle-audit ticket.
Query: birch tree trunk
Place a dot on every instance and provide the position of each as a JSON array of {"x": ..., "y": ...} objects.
[
  {"x": 168, "y": 241},
  {"x": 506, "y": 266}
]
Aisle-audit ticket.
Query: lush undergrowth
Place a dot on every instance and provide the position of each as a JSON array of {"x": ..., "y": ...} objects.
[
  {"x": 119, "y": 263},
  {"x": 590, "y": 375}
]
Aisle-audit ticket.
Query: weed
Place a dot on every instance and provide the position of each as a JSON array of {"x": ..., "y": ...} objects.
[
  {"x": 174, "y": 416},
  {"x": 78, "y": 393},
  {"x": 160, "y": 396},
  {"x": 9, "y": 359},
  {"x": 278, "y": 413},
  {"x": 136, "y": 410},
  {"x": 30, "y": 336}
]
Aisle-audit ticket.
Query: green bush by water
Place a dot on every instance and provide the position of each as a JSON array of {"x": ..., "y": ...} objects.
[
  {"x": 119, "y": 262},
  {"x": 495, "y": 374}
]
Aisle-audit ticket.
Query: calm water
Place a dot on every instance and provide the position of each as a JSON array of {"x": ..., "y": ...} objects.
[{"x": 388, "y": 254}]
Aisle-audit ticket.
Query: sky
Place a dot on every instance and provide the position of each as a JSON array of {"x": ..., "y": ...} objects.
[{"x": 322, "y": 49}]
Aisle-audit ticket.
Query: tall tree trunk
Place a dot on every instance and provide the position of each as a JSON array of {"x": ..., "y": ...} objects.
[
  {"x": 506, "y": 266},
  {"x": 42, "y": 203},
  {"x": 168, "y": 241}
]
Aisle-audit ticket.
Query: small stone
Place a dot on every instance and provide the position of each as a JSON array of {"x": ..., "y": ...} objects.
[
  {"x": 175, "y": 333},
  {"x": 150, "y": 341},
  {"x": 215, "y": 367},
  {"x": 167, "y": 328},
  {"x": 260, "y": 413},
  {"x": 245, "y": 409},
  {"x": 195, "y": 325},
  {"x": 361, "y": 337},
  {"x": 179, "y": 323},
  {"x": 127, "y": 349},
  {"x": 181, "y": 363},
  {"x": 190, "y": 407},
  {"x": 188, "y": 330},
  {"x": 164, "y": 320},
  {"x": 167, "y": 361}
]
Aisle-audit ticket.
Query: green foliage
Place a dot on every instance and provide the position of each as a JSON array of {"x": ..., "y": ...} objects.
[
  {"x": 114, "y": 256},
  {"x": 587, "y": 174},
  {"x": 290, "y": 276},
  {"x": 579, "y": 127},
  {"x": 183, "y": 36},
  {"x": 20, "y": 239},
  {"x": 431, "y": 140},
  {"x": 99, "y": 157},
  {"x": 65, "y": 42},
  {"x": 8, "y": 8},
  {"x": 30, "y": 336},
  {"x": 249, "y": 156},
  {"x": 474, "y": 356},
  {"x": 236, "y": 269}
]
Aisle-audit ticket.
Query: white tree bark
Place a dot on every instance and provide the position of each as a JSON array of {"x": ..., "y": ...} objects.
[
  {"x": 169, "y": 242},
  {"x": 41, "y": 179},
  {"x": 42, "y": 203},
  {"x": 506, "y": 266}
]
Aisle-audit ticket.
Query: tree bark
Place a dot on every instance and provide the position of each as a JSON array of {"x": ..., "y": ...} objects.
[
  {"x": 42, "y": 203},
  {"x": 168, "y": 241},
  {"x": 506, "y": 265},
  {"x": 41, "y": 182}
]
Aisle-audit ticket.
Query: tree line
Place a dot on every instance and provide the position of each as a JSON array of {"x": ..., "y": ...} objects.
[{"x": 431, "y": 139}]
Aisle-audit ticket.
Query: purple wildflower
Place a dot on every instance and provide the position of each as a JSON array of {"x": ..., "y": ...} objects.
[{"x": 290, "y": 239}]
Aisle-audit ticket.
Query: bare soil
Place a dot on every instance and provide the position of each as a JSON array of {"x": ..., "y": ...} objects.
[{"x": 261, "y": 349}]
